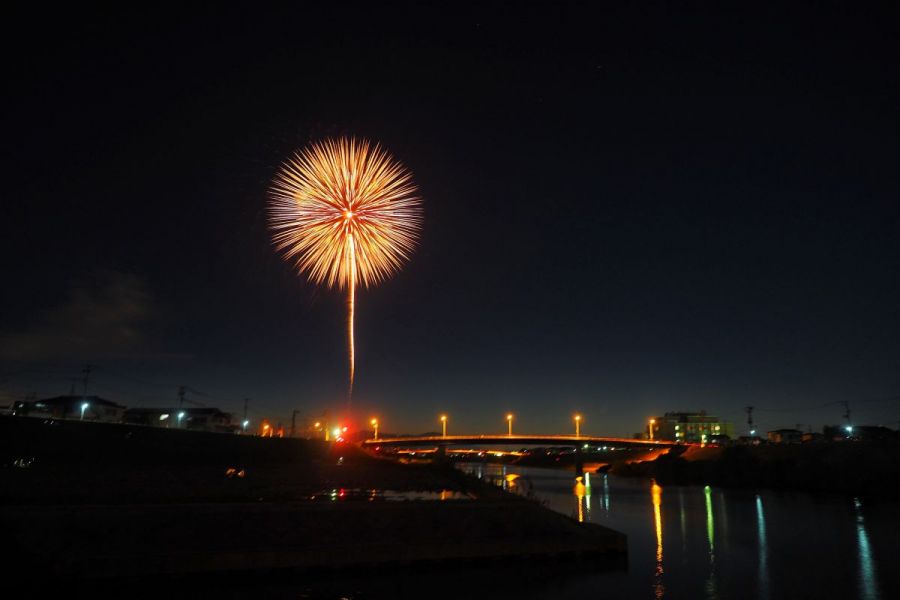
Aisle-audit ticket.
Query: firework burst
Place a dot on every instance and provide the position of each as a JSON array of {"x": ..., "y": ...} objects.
[{"x": 345, "y": 213}]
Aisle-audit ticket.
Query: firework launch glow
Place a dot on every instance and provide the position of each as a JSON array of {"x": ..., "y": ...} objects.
[{"x": 345, "y": 212}]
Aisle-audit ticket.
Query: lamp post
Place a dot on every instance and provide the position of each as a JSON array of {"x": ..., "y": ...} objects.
[
  {"x": 577, "y": 425},
  {"x": 444, "y": 425},
  {"x": 652, "y": 423},
  {"x": 244, "y": 425},
  {"x": 180, "y": 417},
  {"x": 84, "y": 407},
  {"x": 375, "y": 425},
  {"x": 509, "y": 420}
]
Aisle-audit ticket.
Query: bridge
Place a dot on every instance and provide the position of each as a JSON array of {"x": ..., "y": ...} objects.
[
  {"x": 439, "y": 443},
  {"x": 525, "y": 440}
]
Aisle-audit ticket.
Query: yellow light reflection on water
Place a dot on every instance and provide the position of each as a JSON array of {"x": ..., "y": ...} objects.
[
  {"x": 656, "y": 495},
  {"x": 579, "y": 491}
]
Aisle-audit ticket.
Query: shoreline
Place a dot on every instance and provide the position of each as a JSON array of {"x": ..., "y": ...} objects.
[{"x": 77, "y": 513}]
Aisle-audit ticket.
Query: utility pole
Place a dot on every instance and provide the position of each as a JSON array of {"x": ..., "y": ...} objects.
[
  {"x": 749, "y": 410},
  {"x": 84, "y": 403},
  {"x": 180, "y": 396},
  {"x": 846, "y": 411},
  {"x": 294, "y": 422},
  {"x": 246, "y": 401},
  {"x": 87, "y": 373}
]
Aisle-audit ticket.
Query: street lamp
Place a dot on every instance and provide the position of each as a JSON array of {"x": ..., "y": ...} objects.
[
  {"x": 652, "y": 423},
  {"x": 375, "y": 425},
  {"x": 180, "y": 417},
  {"x": 244, "y": 425},
  {"x": 577, "y": 425},
  {"x": 444, "y": 425},
  {"x": 84, "y": 407},
  {"x": 509, "y": 419}
]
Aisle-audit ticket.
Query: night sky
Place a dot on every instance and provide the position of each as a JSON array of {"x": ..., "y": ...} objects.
[{"x": 627, "y": 211}]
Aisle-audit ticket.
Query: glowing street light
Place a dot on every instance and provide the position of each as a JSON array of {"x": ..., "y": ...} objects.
[
  {"x": 509, "y": 420},
  {"x": 84, "y": 407},
  {"x": 180, "y": 417},
  {"x": 444, "y": 425},
  {"x": 244, "y": 425},
  {"x": 652, "y": 423},
  {"x": 577, "y": 425},
  {"x": 375, "y": 425}
]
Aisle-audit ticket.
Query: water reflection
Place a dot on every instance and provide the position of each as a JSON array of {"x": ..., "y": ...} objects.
[
  {"x": 868, "y": 588},
  {"x": 656, "y": 495},
  {"x": 580, "y": 491},
  {"x": 587, "y": 494},
  {"x": 711, "y": 592},
  {"x": 606, "y": 493},
  {"x": 796, "y": 535},
  {"x": 763, "y": 550}
]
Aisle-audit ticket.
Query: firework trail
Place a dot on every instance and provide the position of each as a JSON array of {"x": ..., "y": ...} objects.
[{"x": 345, "y": 212}]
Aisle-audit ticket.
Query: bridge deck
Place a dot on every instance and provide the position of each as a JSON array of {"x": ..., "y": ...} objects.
[{"x": 503, "y": 439}]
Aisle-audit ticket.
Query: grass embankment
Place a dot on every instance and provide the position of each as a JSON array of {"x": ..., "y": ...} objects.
[
  {"x": 85, "y": 500},
  {"x": 851, "y": 467}
]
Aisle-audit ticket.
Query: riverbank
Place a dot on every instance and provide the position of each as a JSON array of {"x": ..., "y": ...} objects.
[
  {"x": 101, "y": 502},
  {"x": 867, "y": 468}
]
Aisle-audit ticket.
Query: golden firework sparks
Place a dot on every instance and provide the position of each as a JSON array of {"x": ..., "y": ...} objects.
[{"x": 345, "y": 212}]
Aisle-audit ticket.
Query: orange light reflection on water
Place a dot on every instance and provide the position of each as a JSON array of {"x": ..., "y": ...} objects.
[{"x": 656, "y": 495}]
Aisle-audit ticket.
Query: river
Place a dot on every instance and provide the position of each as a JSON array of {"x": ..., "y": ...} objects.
[{"x": 712, "y": 543}]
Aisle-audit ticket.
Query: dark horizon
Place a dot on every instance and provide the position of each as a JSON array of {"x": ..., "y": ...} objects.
[{"x": 627, "y": 212}]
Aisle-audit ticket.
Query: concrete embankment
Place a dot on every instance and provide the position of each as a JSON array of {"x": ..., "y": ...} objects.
[{"x": 91, "y": 501}]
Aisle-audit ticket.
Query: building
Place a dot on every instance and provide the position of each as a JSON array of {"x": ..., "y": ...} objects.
[
  {"x": 191, "y": 418},
  {"x": 785, "y": 436},
  {"x": 690, "y": 427},
  {"x": 874, "y": 433},
  {"x": 83, "y": 408}
]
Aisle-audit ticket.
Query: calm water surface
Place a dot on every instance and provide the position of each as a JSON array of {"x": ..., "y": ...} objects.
[{"x": 706, "y": 542}]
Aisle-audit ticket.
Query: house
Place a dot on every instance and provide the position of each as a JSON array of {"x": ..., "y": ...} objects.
[
  {"x": 82, "y": 408},
  {"x": 190, "y": 418},
  {"x": 785, "y": 436}
]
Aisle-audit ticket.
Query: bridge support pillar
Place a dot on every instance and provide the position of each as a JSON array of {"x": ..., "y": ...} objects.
[{"x": 579, "y": 462}]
